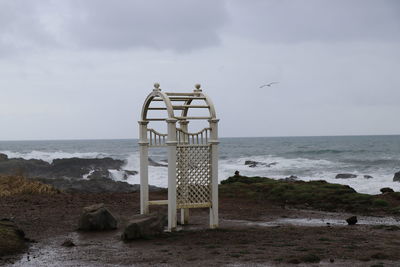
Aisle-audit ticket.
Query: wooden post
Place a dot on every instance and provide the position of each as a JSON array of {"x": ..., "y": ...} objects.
[
  {"x": 171, "y": 142},
  {"x": 144, "y": 164},
  {"x": 214, "y": 173}
]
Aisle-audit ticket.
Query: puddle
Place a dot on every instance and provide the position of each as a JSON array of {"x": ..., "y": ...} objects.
[{"x": 362, "y": 220}]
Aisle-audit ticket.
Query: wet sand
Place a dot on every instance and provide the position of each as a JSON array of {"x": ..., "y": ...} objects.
[{"x": 249, "y": 234}]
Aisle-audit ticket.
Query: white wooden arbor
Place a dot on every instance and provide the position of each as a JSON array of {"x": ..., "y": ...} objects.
[{"x": 192, "y": 157}]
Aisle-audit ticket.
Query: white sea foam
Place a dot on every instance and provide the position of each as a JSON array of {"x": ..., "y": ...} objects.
[{"x": 305, "y": 169}]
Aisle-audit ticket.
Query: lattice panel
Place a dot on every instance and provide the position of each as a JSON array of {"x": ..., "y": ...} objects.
[{"x": 193, "y": 172}]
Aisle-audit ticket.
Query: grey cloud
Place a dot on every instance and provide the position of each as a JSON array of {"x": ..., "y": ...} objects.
[
  {"x": 21, "y": 27},
  {"x": 120, "y": 24},
  {"x": 110, "y": 25},
  {"x": 316, "y": 20}
]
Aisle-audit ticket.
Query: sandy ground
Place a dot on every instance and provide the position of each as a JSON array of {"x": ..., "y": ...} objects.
[{"x": 250, "y": 234}]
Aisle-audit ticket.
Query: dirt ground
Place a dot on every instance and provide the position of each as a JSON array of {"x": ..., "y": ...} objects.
[{"x": 250, "y": 234}]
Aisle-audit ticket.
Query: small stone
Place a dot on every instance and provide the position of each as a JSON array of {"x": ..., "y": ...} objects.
[
  {"x": 68, "y": 243},
  {"x": 351, "y": 220},
  {"x": 345, "y": 176},
  {"x": 368, "y": 176},
  {"x": 386, "y": 190}
]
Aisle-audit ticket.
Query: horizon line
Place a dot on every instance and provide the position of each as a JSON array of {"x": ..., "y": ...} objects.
[{"x": 273, "y": 136}]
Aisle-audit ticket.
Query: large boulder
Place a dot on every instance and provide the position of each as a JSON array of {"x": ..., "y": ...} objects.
[
  {"x": 12, "y": 238},
  {"x": 144, "y": 226},
  {"x": 345, "y": 176},
  {"x": 96, "y": 218},
  {"x": 396, "y": 177},
  {"x": 3, "y": 157}
]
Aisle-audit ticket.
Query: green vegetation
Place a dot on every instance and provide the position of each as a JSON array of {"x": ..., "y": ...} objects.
[{"x": 313, "y": 194}]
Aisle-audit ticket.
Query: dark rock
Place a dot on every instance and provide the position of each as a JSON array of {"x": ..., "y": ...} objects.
[
  {"x": 351, "y": 220},
  {"x": 31, "y": 167},
  {"x": 77, "y": 167},
  {"x": 96, "y": 218},
  {"x": 396, "y": 177},
  {"x": 345, "y": 176},
  {"x": 127, "y": 173},
  {"x": 94, "y": 185},
  {"x": 253, "y": 164},
  {"x": 74, "y": 168},
  {"x": 156, "y": 164},
  {"x": 368, "y": 177},
  {"x": 386, "y": 190},
  {"x": 294, "y": 261},
  {"x": 237, "y": 173},
  {"x": 291, "y": 178},
  {"x": 68, "y": 243},
  {"x": 144, "y": 226},
  {"x": 99, "y": 174},
  {"x": 3, "y": 157}
]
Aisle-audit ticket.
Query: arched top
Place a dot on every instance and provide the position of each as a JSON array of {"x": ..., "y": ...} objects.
[{"x": 178, "y": 101}]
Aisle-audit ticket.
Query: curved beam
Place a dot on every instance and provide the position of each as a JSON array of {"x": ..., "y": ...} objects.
[{"x": 149, "y": 99}]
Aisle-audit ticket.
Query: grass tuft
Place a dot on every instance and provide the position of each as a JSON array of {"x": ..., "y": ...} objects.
[{"x": 19, "y": 185}]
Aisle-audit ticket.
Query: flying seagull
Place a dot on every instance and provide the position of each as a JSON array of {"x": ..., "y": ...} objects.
[{"x": 268, "y": 84}]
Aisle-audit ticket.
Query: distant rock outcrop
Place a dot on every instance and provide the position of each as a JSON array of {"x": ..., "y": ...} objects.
[
  {"x": 291, "y": 178},
  {"x": 345, "y": 176},
  {"x": 368, "y": 176},
  {"x": 71, "y": 168},
  {"x": 386, "y": 190},
  {"x": 96, "y": 218},
  {"x": 396, "y": 177},
  {"x": 253, "y": 164},
  {"x": 144, "y": 226}
]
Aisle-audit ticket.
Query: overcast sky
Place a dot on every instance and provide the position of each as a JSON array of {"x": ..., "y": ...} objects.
[{"x": 80, "y": 69}]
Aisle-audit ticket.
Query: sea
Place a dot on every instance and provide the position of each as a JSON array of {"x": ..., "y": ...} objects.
[{"x": 308, "y": 158}]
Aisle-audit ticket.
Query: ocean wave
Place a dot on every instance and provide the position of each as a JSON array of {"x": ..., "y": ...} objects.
[
  {"x": 390, "y": 161},
  {"x": 323, "y": 151},
  {"x": 50, "y": 156},
  {"x": 304, "y": 168}
]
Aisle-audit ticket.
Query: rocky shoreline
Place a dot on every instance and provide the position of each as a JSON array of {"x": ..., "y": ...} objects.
[{"x": 74, "y": 174}]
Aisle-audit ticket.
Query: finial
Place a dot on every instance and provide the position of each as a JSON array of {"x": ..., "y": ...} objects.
[
  {"x": 157, "y": 86},
  {"x": 197, "y": 86}
]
